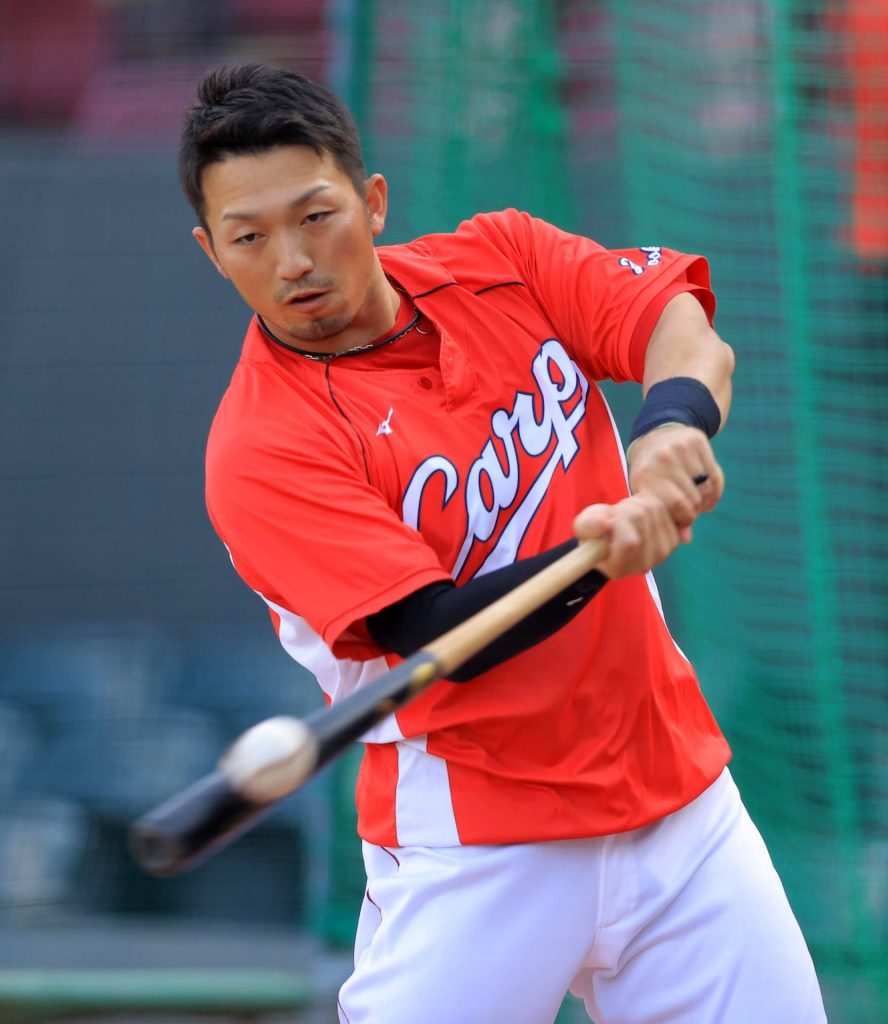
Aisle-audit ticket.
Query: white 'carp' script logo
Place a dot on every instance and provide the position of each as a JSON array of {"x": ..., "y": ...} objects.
[{"x": 560, "y": 395}]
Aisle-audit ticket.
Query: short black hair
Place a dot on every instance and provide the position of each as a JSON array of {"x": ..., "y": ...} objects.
[{"x": 247, "y": 109}]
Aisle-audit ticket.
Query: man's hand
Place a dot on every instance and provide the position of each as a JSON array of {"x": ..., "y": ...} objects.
[
  {"x": 664, "y": 463},
  {"x": 639, "y": 530}
]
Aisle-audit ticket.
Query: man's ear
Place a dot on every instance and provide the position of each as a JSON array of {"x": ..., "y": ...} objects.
[
  {"x": 203, "y": 239},
  {"x": 376, "y": 198}
]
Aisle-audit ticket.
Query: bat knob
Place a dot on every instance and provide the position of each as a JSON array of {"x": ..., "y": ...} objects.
[
  {"x": 155, "y": 850},
  {"x": 183, "y": 831}
]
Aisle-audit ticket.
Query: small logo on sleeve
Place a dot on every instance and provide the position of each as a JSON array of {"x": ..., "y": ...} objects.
[{"x": 653, "y": 256}]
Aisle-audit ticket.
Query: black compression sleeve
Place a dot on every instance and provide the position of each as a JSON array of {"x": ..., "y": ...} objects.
[{"x": 427, "y": 613}]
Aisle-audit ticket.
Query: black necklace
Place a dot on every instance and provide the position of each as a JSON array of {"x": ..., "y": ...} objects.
[{"x": 326, "y": 357}]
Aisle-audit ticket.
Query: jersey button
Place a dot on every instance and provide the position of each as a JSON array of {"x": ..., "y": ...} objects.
[{"x": 425, "y": 382}]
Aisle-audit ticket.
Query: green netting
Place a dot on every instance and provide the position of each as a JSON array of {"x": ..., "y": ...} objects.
[
  {"x": 465, "y": 112},
  {"x": 745, "y": 131},
  {"x": 753, "y": 133}
]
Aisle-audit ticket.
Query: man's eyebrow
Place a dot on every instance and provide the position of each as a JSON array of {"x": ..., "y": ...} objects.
[{"x": 303, "y": 197}]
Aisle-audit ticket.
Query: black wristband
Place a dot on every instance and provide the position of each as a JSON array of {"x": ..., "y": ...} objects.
[{"x": 677, "y": 400}]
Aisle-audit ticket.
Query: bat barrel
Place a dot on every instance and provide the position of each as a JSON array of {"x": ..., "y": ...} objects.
[
  {"x": 187, "y": 828},
  {"x": 267, "y": 762}
]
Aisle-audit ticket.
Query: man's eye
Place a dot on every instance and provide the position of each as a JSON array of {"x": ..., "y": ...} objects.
[
  {"x": 316, "y": 218},
  {"x": 246, "y": 239}
]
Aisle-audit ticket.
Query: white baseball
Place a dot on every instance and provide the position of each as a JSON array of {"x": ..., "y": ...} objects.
[{"x": 271, "y": 760}]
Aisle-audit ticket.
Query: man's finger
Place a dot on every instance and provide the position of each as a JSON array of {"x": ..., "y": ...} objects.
[
  {"x": 594, "y": 522},
  {"x": 712, "y": 488}
]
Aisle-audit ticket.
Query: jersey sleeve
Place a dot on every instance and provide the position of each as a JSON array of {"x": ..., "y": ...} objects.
[
  {"x": 283, "y": 514},
  {"x": 603, "y": 302}
]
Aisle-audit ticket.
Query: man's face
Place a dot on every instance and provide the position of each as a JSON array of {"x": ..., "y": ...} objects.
[{"x": 290, "y": 232}]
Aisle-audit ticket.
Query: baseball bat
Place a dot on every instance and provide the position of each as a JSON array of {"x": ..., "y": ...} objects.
[{"x": 274, "y": 758}]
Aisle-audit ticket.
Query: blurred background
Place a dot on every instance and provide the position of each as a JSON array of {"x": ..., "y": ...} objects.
[{"x": 755, "y": 133}]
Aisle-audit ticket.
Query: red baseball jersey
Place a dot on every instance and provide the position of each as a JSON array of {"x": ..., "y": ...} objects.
[{"x": 340, "y": 487}]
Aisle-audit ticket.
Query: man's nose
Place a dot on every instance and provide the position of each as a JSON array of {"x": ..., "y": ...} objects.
[{"x": 293, "y": 260}]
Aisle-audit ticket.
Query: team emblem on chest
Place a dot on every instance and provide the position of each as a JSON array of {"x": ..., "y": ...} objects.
[{"x": 496, "y": 503}]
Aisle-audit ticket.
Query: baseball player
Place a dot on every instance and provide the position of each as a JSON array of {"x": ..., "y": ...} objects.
[{"x": 411, "y": 431}]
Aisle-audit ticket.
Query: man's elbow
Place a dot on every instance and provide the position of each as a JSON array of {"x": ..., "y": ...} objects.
[{"x": 726, "y": 356}]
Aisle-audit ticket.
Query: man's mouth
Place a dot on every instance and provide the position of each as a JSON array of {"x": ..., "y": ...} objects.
[{"x": 307, "y": 302}]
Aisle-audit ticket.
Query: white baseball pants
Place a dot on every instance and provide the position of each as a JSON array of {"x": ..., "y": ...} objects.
[{"x": 681, "y": 922}]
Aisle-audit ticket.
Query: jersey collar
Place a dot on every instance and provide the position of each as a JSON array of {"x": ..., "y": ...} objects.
[{"x": 414, "y": 268}]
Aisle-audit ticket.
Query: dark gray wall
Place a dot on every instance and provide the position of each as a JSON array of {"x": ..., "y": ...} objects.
[{"x": 118, "y": 339}]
